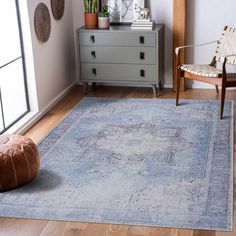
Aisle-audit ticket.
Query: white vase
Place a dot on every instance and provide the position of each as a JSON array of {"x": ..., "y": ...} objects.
[{"x": 103, "y": 22}]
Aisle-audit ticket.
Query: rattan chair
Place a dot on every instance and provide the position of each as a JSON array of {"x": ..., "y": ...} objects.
[{"x": 225, "y": 54}]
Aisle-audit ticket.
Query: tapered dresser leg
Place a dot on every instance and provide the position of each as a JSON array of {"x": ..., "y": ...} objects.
[
  {"x": 85, "y": 88},
  {"x": 154, "y": 88}
]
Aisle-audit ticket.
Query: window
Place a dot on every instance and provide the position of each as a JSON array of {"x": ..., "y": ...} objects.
[{"x": 13, "y": 88}]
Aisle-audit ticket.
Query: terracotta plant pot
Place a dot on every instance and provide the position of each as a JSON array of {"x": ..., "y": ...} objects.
[
  {"x": 103, "y": 22},
  {"x": 90, "y": 20}
]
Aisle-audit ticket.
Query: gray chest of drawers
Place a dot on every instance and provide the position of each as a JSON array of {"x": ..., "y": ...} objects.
[{"x": 121, "y": 55}]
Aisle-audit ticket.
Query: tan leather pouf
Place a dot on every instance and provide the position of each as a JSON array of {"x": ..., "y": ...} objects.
[{"x": 19, "y": 161}]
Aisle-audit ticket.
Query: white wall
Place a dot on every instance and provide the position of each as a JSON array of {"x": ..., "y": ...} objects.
[
  {"x": 78, "y": 13},
  {"x": 78, "y": 21},
  {"x": 54, "y": 61},
  {"x": 205, "y": 22},
  {"x": 161, "y": 12}
]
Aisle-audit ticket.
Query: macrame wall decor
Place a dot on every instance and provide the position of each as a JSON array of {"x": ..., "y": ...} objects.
[
  {"x": 58, "y": 7},
  {"x": 42, "y": 22}
]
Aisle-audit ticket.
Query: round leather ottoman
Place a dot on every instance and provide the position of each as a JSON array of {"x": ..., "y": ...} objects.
[{"x": 19, "y": 161}]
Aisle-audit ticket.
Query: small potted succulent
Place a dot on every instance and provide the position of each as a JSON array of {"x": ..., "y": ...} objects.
[
  {"x": 103, "y": 19},
  {"x": 90, "y": 15}
]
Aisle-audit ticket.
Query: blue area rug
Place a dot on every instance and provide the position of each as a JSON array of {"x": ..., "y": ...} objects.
[{"x": 134, "y": 161}]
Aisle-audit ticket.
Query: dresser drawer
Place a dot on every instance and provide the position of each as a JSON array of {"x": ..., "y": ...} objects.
[
  {"x": 111, "y": 38},
  {"x": 131, "y": 55},
  {"x": 118, "y": 72}
]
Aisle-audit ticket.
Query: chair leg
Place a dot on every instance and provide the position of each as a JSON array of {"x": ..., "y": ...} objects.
[
  {"x": 217, "y": 89},
  {"x": 177, "y": 86},
  {"x": 222, "y": 101}
]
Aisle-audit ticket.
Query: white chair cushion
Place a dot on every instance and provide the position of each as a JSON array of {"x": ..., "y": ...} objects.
[{"x": 203, "y": 70}]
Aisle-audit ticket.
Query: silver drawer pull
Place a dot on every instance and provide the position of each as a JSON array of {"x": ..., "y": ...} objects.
[
  {"x": 93, "y": 54},
  {"x": 141, "y": 39},
  {"x": 142, "y": 73},
  {"x": 92, "y": 38},
  {"x": 142, "y": 55},
  {"x": 94, "y": 71}
]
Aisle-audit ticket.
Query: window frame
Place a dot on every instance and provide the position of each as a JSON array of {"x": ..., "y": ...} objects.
[{"x": 22, "y": 57}]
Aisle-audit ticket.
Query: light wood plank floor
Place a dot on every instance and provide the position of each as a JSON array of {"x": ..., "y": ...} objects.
[{"x": 23, "y": 227}]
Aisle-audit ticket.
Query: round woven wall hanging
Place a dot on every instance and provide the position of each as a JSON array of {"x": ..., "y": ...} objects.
[
  {"x": 42, "y": 22},
  {"x": 58, "y": 7}
]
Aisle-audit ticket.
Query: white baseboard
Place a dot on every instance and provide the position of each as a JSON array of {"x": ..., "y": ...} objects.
[
  {"x": 198, "y": 86},
  {"x": 37, "y": 116},
  {"x": 167, "y": 85},
  {"x": 193, "y": 86},
  {"x": 208, "y": 86}
]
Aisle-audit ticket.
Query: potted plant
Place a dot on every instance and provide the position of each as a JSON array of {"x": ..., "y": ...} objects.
[
  {"x": 90, "y": 15},
  {"x": 103, "y": 19}
]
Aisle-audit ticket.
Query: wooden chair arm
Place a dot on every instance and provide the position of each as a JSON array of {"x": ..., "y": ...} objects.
[{"x": 190, "y": 46}]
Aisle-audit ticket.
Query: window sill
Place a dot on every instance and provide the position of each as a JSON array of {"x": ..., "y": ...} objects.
[{"x": 23, "y": 124}]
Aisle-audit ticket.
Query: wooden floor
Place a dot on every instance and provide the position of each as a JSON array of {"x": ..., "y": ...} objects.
[{"x": 23, "y": 227}]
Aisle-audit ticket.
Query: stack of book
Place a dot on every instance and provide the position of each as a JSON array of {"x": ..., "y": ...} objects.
[{"x": 143, "y": 24}]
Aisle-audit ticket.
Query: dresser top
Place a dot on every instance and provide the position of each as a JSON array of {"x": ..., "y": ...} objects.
[{"x": 124, "y": 28}]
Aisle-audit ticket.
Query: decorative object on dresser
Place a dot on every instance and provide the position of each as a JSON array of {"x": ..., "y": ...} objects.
[
  {"x": 58, "y": 7},
  {"x": 144, "y": 20},
  {"x": 19, "y": 161},
  {"x": 122, "y": 56},
  {"x": 103, "y": 19},
  {"x": 124, "y": 10},
  {"x": 90, "y": 15},
  {"x": 147, "y": 24},
  {"x": 143, "y": 13},
  {"x": 42, "y": 22}
]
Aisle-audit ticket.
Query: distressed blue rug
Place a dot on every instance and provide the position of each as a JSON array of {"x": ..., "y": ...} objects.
[{"x": 134, "y": 161}]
